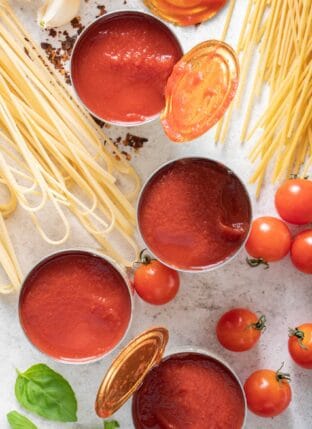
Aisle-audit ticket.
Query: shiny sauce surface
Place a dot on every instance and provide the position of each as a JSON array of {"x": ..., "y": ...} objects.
[
  {"x": 189, "y": 391},
  {"x": 75, "y": 306},
  {"x": 121, "y": 65},
  {"x": 194, "y": 213}
]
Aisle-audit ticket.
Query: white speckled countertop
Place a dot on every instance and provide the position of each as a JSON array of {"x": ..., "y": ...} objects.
[{"x": 282, "y": 293}]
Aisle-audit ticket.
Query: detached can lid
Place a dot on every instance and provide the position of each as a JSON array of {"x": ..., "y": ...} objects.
[
  {"x": 199, "y": 90},
  {"x": 129, "y": 369}
]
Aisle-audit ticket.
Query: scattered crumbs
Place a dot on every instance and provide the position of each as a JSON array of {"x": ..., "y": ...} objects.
[
  {"x": 52, "y": 32},
  {"x": 126, "y": 155},
  {"x": 76, "y": 22},
  {"x": 60, "y": 56},
  {"x": 102, "y": 10},
  {"x": 116, "y": 156},
  {"x": 68, "y": 44},
  {"x": 130, "y": 141},
  {"x": 135, "y": 142}
]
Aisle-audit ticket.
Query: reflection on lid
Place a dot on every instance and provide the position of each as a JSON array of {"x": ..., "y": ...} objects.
[
  {"x": 129, "y": 369},
  {"x": 185, "y": 12},
  {"x": 199, "y": 90}
]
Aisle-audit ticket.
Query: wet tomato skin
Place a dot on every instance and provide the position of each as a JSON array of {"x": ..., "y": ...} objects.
[
  {"x": 239, "y": 329},
  {"x": 293, "y": 201},
  {"x": 156, "y": 283},
  {"x": 301, "y": 251},
  {"x": 300, "y": 345},
  {"x": 267, "y": 396},
  {"x": 269, "y": 239}
]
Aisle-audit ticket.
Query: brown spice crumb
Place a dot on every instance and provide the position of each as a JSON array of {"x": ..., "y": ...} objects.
[
  {"x": 102, "y": 11},
  {"x": 68, "y": 44},
  {"x": 52, "y": 32},
  {"x": 126, "y": 155},
  {"x": 135, "y": 142},
  {"x": 75, "y": 22}
]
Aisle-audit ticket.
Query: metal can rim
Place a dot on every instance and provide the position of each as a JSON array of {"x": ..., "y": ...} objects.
[{"x": 90, "y": 252}]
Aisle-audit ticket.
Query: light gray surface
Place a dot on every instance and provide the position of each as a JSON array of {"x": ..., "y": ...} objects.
[{"x": 283, "y": 294}]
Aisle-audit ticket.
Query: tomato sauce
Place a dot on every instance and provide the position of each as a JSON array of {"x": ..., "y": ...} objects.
[
  {"x": 189, "y": 391},
  {"x": 194, "y": 213},
  {"x": 75, "y": 306},
  {"x": 185, "y": 12},
  {"x": 121, "y": 64}
]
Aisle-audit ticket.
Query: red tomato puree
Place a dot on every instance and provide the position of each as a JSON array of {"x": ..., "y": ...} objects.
[
  {"x": 75, "y": 306},
  {"x": 121, "y": 65},
  {"x": 194, "y": 213},
  {"x": 189, "y": 391}
]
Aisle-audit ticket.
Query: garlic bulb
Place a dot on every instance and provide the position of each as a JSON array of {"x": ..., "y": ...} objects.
[{"x": 55, "y": 13}]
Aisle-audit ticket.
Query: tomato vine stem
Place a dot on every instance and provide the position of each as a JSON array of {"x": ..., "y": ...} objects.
[
  {"x": 255, "y": 262},
  {"x": 298, "y": 334},
  {"x": 280, "y": 376},
  {"x": 260, "y": 325}
]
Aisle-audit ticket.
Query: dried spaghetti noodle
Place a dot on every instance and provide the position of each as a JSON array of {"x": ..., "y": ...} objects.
[
  {"x": 52, "y": 153},
  {"x": 281, "y": 32}
]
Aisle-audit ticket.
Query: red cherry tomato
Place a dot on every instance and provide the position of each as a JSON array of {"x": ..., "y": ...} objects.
[
  {"x": 268, "y": 393},
  {"x": 269, "y": 239},
  {"x": 293, "y": 201},
  {"x": 301, "y": 251},
  {"x": 300, "y": 345},
  {"x": 156, "y": 283},
  {"x": 239, "y": 329}
]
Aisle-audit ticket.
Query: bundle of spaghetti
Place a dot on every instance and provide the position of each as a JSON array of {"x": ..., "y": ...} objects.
[
  {"x": 52, "y": 154},
  {"x": 280, "y": 32}
]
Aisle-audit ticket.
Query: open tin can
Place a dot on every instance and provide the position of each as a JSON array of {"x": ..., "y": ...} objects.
[
  {"x": 194, "y": 91},
  {"x": 67, "y": 323},
  {"x": 144, "y": 368},
  {"x": 188, "y": 208}
]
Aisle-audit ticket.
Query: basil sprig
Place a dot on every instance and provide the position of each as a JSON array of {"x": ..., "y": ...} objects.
[
  {"x": 46, "y": 393},
  {"x": 111, "y": 424},
  {"x": 18, "y": 421}
]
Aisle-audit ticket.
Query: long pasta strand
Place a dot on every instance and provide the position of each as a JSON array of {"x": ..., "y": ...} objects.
[{"x": 280, "y": 31}]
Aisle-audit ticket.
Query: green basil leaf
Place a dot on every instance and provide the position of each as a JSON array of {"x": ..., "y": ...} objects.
[
  {"x": 46, "y": 393},
  {"x": 18, "y": 421},
  {"x": 112, "y": 424}
]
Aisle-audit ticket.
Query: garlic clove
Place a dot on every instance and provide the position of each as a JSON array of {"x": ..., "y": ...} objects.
[{"x": 55, "y": 13}]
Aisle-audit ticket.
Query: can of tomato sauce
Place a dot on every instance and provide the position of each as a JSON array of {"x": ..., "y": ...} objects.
[
  {"x": 128, "y": 68},
  {"x": 120, "y": 66},
  {"x": 76, "y": 306},
  {"x": 189, "y": 388},
  {"x": 194, "y": 214}
]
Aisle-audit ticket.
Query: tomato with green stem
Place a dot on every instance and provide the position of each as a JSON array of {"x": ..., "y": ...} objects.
[
  {"x": 268, "y": 392},
  {"x": 301, "y": 251},
  {"x": 269, "y": 240},
  {"x": 154, "y": 282},
  {"x": 239, "y": 329},
  {"x": 300, "y": 345},
  {"x": 293, "y": 201}
]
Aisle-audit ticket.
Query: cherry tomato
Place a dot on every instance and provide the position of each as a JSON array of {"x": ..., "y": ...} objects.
[
  {"x": 268, "y": 393},
  {"x": 239, "y": 329},
  {"x": 154, "y": 282},
  {"x": 301, "y": 251},
  {"x": 293, "y": 201},
  {"x": 300, "y": 345},
  {"x": 269, "y": 239}
]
